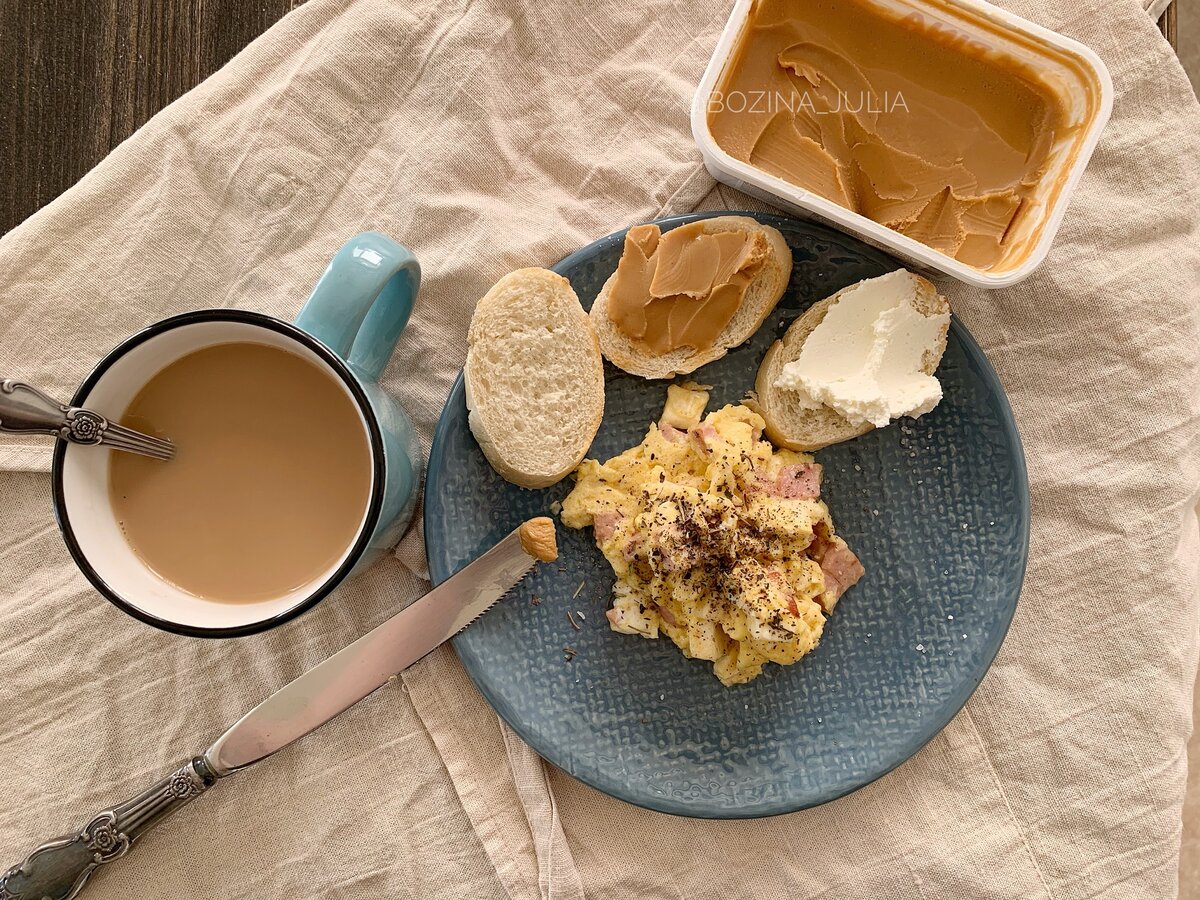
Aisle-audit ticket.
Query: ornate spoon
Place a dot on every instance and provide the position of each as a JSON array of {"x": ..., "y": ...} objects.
[{"x": 26, "y": 410}]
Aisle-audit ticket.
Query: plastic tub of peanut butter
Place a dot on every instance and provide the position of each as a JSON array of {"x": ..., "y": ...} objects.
[{"x": 949, "y": 132}]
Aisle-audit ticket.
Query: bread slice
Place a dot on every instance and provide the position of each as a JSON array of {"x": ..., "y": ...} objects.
[
  {"x": 797, "y": 428},
  {"x": 534, "y": 378},
  {"x": 762, "y": 295}
]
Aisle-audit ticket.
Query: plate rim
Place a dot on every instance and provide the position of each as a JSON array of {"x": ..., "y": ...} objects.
[{"x": 549, "y": 751}]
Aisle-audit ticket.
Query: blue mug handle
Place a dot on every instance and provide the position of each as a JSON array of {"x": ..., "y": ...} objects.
[{"x": 363, "y": 300}]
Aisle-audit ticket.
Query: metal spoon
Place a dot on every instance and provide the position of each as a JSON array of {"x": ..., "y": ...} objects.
[{"x": 26, "y": 410}]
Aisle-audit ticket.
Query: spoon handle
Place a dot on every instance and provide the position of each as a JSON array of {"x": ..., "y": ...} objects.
[{"x": 26, "y": 410}]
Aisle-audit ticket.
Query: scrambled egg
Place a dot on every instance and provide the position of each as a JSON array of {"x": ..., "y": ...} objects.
[{"x": 717, "y": 540}]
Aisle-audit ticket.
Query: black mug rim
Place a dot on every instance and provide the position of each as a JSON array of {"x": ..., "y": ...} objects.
[{"x": 374, "y": 507}]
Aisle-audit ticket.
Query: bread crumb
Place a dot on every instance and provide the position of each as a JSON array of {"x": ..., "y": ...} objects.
[{"x": 538, "y": 539}]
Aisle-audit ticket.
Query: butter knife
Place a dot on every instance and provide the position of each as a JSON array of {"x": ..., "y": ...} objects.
[{"x": 59, "y": 869}]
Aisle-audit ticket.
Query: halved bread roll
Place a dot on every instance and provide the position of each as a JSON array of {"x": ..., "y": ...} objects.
[
  {"x": 761, "y": 296},
  {"x": 534, "y": 378},
  {"x": 788, "y": 423}
]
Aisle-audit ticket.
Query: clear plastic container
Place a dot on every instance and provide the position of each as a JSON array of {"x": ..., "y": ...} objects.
[{"x": 1074, "y": 73}]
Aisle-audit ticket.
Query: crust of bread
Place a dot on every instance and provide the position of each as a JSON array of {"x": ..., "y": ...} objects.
[
  {"x": 809, "y": 430},
  {"x": 538, "y": 538},
  {"x": 762, "y": 295}
]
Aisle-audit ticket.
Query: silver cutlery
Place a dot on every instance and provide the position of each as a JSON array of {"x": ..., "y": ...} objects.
[
  {"x": 26, "y": 410},
  {"x": 58, "y": 869}
]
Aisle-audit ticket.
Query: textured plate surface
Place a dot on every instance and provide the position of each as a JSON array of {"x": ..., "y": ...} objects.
[{"x": 937, "y": 508}]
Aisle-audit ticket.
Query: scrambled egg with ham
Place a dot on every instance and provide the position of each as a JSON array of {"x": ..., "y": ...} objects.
[{"x": 717, "y": 540}]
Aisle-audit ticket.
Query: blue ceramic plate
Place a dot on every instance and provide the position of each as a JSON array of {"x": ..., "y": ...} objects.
[{"x": 937, "y": 508}]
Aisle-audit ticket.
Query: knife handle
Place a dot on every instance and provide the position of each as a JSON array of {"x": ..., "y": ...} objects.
[{"x": 58, "y": 869}]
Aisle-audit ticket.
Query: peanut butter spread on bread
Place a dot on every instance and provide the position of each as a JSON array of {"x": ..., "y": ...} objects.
[{"x": 681, "y": 288}]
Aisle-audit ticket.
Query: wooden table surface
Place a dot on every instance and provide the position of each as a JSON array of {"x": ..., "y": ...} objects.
[{"x": 77, "y": 78}]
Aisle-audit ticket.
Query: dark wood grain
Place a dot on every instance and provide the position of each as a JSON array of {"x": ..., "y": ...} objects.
[
  {"x": 1169, "y": 24},
  {"x": 77, "y": 77}
]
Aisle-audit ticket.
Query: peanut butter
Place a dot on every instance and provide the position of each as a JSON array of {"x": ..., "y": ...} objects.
[
  {"x": 890, "y": 114},
  {"x": 680, "y": 289}
]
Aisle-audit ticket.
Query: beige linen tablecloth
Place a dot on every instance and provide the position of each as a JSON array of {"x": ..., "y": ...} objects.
[{"x": 490, "y": 135}]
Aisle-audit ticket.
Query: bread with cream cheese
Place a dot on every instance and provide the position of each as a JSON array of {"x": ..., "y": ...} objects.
[
  {"x": 534, "y": 378},
  {"x": 764, "y": 292},
  {"x": 791, "y": 425}
]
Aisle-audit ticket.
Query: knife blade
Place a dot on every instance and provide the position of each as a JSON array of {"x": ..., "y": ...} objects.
[
  {"x": 60, "y": 868},
  {"x": 365, "y": 665}
]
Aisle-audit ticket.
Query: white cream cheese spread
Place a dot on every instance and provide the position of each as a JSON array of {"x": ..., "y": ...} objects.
[{"x": 865, "y": 358}]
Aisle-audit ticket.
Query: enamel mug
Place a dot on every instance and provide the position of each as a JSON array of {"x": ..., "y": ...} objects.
[{"x": 348, "y": 327}]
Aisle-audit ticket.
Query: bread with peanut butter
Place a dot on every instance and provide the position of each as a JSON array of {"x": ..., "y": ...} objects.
[
  {"x": 534, "y": 378},
  {"x": 684, "y": 297},
  {"x": 789, "y": 421}
]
